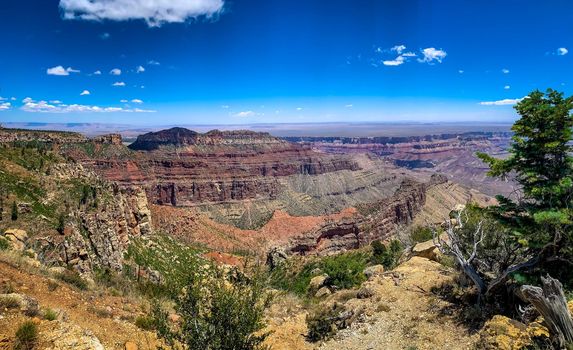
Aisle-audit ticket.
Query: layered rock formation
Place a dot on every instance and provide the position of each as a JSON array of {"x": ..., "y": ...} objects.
[
  {"x": 23, "y": 135},
  {"x": 183, "y": 168},
  {"x": 378, "y": 221}
]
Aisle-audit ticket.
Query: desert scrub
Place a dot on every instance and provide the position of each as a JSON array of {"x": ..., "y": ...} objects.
[
  {"x": 219, "y": 312},
  {"x": 9, "y": 302},
  {"x": 344, "y": 271},
  {"x": 50, "y": 315},
  {"x": 324, "y": 321},
  {"x": 73, "y": 278},
  {"x": 146, "y": 323},
  {"x": 4, "y": 244},
  {"x": 26, "y": 336},
  {"x": 388, "y": 256},
  {"x": 421, "y": 234}
]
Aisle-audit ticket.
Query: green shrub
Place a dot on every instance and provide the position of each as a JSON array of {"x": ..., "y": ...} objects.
[
  {"x": 50, "y": 315},
  {"x": 4, "y": 244},
  {"x": 145, "y": 322},
  {"x": 14, "y": 215},
  {"x": 344, "y": 271},
  {"x": 7, "y": 302},
  {"x": 386, "y": 256},
  {"x": 217, "y": 314},
  {"x": 323, "y": 322},
  {"x": 421, "y": 234},
  {"x": 73, "y": 278},
  {"x": 26, "y": 336}
]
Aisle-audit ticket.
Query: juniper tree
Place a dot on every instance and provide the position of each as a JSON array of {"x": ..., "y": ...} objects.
[{"x": 540, "y": 160}]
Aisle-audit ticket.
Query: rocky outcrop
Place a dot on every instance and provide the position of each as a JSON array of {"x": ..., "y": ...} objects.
[
  {"x": 377, "y": 222},
  {"x": 108, "y": 139},
  {"x": 23, "y": 135}
]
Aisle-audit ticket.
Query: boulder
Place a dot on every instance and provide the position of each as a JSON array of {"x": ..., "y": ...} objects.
[
  {"x": 20, "y": 235},
  {"x": 504, "y": 333},
  {"x": 322, "y": 292},
  {"x": 365, "y": 293},
  {"x": 318, "y": 282},
  {"x": 427, "y": 250},
  {"x": 375, "y": 270},
  {"x": 130, "y": 346},
  {"x": 67, "y": 335}
]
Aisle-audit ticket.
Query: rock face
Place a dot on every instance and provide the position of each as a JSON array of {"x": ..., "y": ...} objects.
[
  {"x": 181, "y": 167},
  {"x": 378, "y": 223},
  {"x": 109, "y": 139}
]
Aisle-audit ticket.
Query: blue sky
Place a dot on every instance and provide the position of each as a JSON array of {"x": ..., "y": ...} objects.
[{"x": 247, "y": 61}]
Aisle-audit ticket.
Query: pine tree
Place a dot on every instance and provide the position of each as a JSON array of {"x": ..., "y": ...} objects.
[
  {"x": 542, "y": 163},
  {"x": 14, "y": 211}
]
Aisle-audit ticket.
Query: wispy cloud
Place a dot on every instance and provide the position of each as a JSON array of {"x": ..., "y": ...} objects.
[
  {"x": 154, "y": 12},
  {"x": 97, "y": 72},
  {"x": 507, "y": 87},
  {"x": 349, "y": 106},
  {"x": 299, "y": 108},
  {"x": 461, "y": 71},
  {"x": 45, "y": 107},
  {"x": 395, "y": 62},
  {"x": 562, "y": 51},
  {"x": 432, "y": 55},
  {"x": 505, "y": 71},
  {"x": 4, "y": 106},
  {"x": 504, "y": 102},
  {"x": 115, "y": 71},
  {"x": 105, "y": 36},
  {"x": 61, "y": 71},
  {"x": 153, "y": 63},
  {"x": 140, "y": 69},
  {"x": 136, "y": 100},
  {"x": 85, "y": 93},
  {"x": 244, "y": 114},
  {"x": 119, "y": 83}
]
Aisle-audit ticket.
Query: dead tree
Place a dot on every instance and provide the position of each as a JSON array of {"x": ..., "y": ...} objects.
[
  {"x": 549, "y": 300},
  {"x": 452, "y": 246}
]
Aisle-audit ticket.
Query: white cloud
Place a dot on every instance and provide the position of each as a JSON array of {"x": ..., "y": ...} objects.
[
  {"x": 4, "y": 106},
  {"x": 45, "y": 107},
  {"x": 244, "y": 114},
  {"x": 461, "y": 71},
  {"x": 562, "y": 51},
  {"x": 504, "y": 102},
  {"x": 115, "y": 71},
  {"x": 3, "y": 98},
  {"x": 124, "y": 101},
  {"x": 27, "y": 100},
  {"x": 153, "y": 63},
  {"x": 140, "y": 69},
  {"x": 398, "y": 48},
  {"x": 85, "y": 93},
  {"x": 59, "y": 70},
  {"x": 505, "y": 71},
  {"x": 432, "y": 54},
  {"x": 13, "y": 98},
  {"x": 136, "y": 100},
  {"x": 154, "y": 12},
  {"x": 56, "y": 102},
  {"x": 395, "y": 62},
  {"x": 507, "y": 87},
  {"x": 97, "y": 72},
  {"x": 119, "y": 83},
  {"x": 349, "y": 106}
]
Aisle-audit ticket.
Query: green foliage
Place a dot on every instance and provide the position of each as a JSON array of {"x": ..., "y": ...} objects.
[
  {"x": 73, "y": 278},
  {"x": 217, "y": 314},
  {"x": 176, "y": 263},
  {"x": 322, "y": 322},
  {"x": 344, "y": 271},
  {"x": 146, "y": 323},
  {"x": 50, "y": 315},
  {"x": 386, "y": 256},
  {"x": 421, "y": 234},
  {"x": 4, "y": 244},
  {"x": 26, "y": 336},
  {"x": 14, "y": 214},
  {"x": 541, "y": 159},
  {"x": 8, "y": 302}
]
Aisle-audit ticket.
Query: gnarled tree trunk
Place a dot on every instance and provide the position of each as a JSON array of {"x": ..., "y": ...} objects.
[{"x": 550, "y": 302}]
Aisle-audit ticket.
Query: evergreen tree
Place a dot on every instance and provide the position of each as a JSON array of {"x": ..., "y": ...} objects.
[
  {"x": 542, "y": 163},
  {"x": 14, "y": 211}
]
